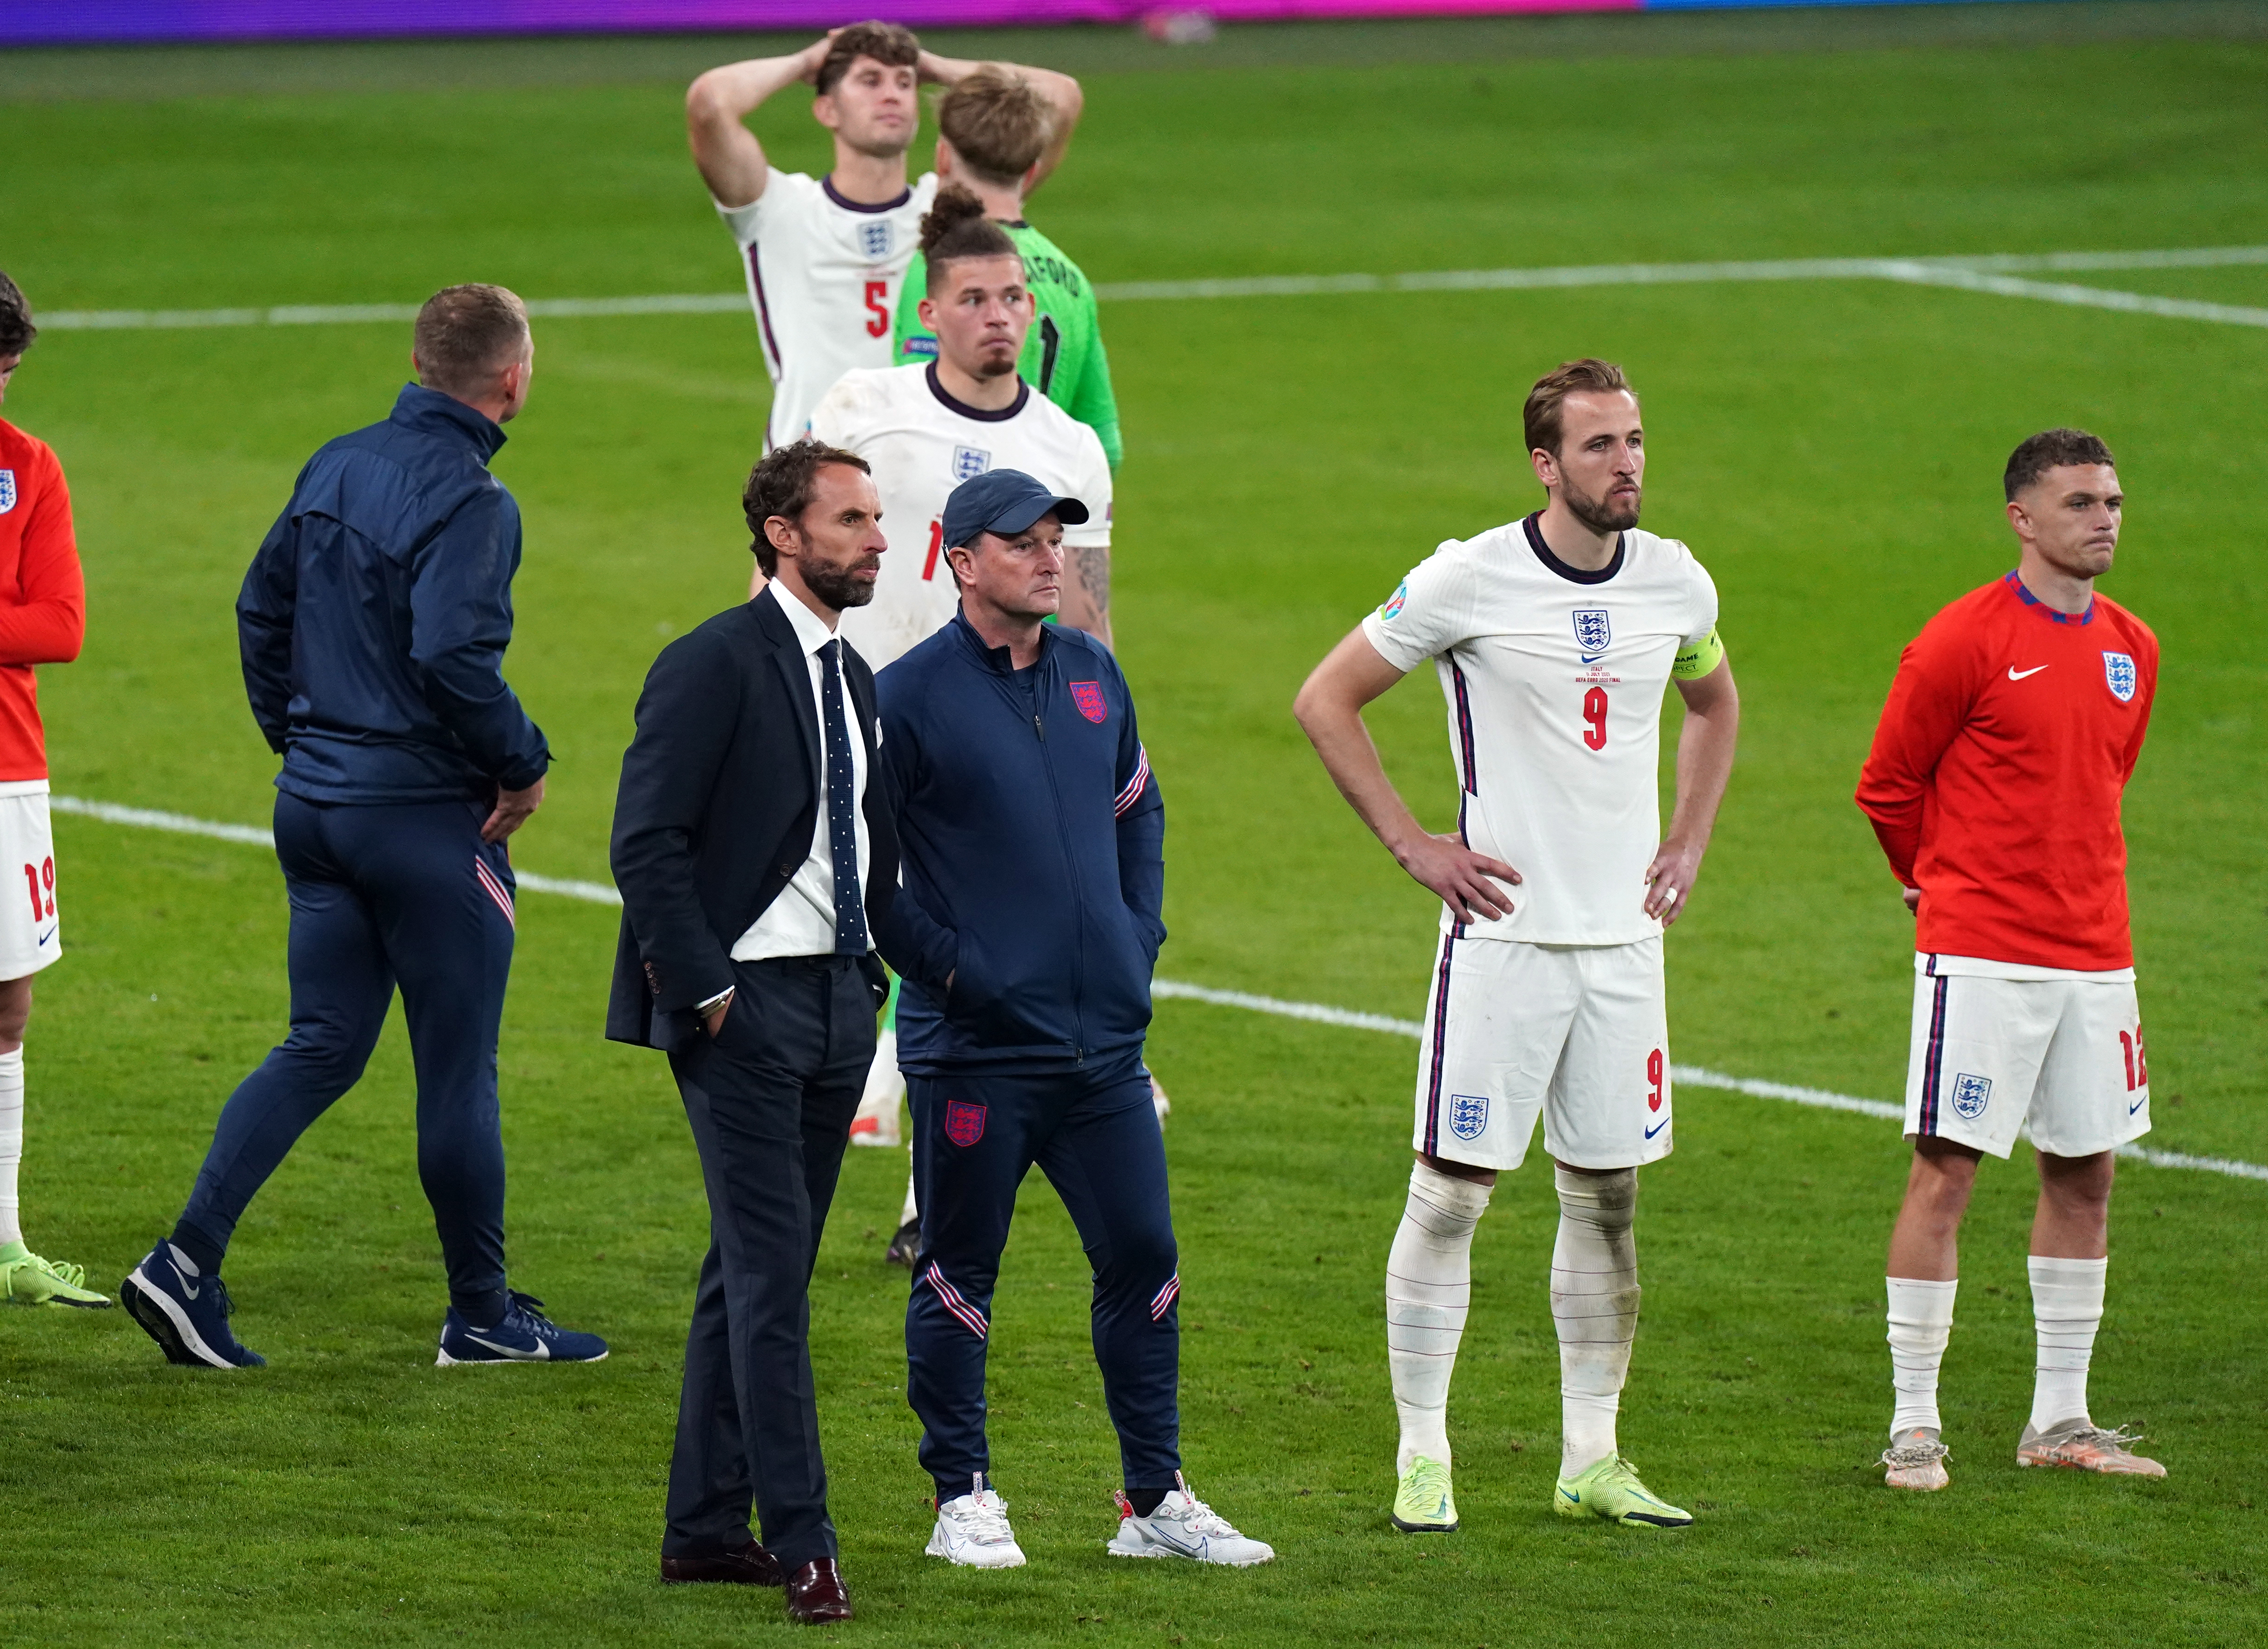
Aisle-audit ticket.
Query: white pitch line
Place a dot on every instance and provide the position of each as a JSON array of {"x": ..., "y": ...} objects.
[
  {"x": 1985, "y": 273},
  {"x": 1315, "y": 1012}
]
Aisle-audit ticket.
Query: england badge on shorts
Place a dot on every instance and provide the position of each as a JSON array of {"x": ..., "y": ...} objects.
[
  {"x": 875, "y": 237},
  {"x": 1467, "y": 1114},
  {"x": 7, "y": 491},
  {"x": 2118, "y": 671},
  {"x": 969, "y": 462},
  {"x": 1971, "y": 1095}
]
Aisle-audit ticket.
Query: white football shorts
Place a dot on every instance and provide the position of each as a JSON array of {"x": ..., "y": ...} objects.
[
  {"x": 31, "y": 934},
  {"x": 1578, "y": 1034},
  {"x": 2060, "y": 1055}
]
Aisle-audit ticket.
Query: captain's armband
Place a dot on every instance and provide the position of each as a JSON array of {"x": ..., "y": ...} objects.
[{"x": 1696, "y": 658}]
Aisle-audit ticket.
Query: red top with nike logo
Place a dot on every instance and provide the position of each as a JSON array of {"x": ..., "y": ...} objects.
[
  {"x": 1996, "y": 774},
  {"x": 42, "y": 596}
]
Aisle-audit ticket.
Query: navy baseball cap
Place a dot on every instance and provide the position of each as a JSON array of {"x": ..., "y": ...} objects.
[{"x": 1002, "y": 501}]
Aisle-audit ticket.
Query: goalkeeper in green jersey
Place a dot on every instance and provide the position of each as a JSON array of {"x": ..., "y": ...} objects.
[{"x": 1000, "y": 134}]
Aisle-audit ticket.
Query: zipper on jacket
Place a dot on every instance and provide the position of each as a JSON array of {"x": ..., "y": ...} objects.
[{"x": 1040, "y": 685}]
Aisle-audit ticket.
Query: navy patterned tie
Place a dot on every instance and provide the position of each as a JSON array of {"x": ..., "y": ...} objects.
[{"x": 841, "y": 809}]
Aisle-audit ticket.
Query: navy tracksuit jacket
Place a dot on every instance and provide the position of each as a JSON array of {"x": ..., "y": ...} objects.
[
  {"x": 1032, "y": 838},
  {"x": 372, "y": 625}
]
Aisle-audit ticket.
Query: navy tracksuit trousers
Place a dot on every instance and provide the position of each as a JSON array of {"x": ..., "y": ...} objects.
[
  {"x": 1095, "y": 1136},
  {"x": 381, "y": 895}
]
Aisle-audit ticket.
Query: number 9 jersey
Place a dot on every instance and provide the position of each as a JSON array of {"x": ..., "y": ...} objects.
[{"x": 1554, "y": 679}]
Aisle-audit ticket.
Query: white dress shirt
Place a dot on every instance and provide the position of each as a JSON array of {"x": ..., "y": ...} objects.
[{"x": 801, "y": 921}]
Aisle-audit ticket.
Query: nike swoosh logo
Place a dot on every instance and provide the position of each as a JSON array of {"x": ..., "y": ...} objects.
[
  {"x": 1657, "y": 1128},
  {"x": 2015, "y": 674},
  {"x": 190, "y": 1288},
  {"x": 1577, "y": 1498},
  {"x": 49, "y": 934},
  {"x": 540, "y": 1352},
  {"x": 1591, "y": 658},
  {"x": 2137, "y": 1105}
]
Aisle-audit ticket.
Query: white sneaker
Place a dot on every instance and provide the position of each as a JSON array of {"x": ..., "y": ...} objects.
[
  {"x": 1183, "y": 1525},
  {"x": 972, "y": 1530}
]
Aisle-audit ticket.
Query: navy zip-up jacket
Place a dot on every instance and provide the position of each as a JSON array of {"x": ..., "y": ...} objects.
[
  {"x": 373, "y": 621},
  {"x": 1032, "y": 841}
]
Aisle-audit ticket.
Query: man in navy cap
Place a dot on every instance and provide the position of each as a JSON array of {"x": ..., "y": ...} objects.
[{"x": 1032, "y": 837}]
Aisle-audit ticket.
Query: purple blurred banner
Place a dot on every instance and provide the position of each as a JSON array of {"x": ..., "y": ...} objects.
[{"x": 112, "y": 22}]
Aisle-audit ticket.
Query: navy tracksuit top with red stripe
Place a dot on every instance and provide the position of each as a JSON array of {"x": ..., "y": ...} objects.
[{"x": 1033, "y": 841}]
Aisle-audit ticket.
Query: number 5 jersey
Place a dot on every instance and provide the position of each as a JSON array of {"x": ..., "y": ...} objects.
[
  {"x": 1554, "y": 679},
  {"x": 824, "y": 275}
]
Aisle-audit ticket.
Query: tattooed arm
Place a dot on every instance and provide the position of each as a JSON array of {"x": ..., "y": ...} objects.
[{"x": 1087, "y": 590}]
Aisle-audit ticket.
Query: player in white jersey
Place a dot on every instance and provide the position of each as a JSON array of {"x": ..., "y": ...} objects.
[
  {"x": 824, "y": 258},
  {"x": 1555, "y": 639},
  {"x": 925, "y": 428}
]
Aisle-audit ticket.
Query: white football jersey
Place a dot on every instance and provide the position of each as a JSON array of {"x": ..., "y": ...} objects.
[
  {"x": 1554, "y": 679},
  {"x": 824, "y": 275},
  {"x": 922, "y": 444}
]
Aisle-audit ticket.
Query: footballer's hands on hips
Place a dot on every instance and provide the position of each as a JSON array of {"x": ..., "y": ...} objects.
[
  {"x": 1913, "y": 900},
  {"x": 513, "y": 809},
  {"x": 1669, "y": 881},
  {"x": 1460, "y": 876}
]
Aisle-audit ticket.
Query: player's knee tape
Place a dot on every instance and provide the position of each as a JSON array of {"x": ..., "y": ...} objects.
[{"x": 1428, "y": 1291}]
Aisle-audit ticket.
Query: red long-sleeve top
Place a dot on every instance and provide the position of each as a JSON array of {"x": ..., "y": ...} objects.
[
  {"x": 1995, "y": 778},
  {"x": 42, "y": 593}
]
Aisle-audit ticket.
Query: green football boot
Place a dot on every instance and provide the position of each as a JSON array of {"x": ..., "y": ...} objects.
[
  {"x": 26, "y": 1279},
  {"x": 1612, "y": 1490},
  {"x": 1423, "y": 1504}
]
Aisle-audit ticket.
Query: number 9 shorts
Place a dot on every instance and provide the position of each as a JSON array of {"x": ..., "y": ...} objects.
[
  {"x": 1575, "y": 1034},
  {"x": 31, "y": 934},
  {"x": 2058, "y": 1054}
]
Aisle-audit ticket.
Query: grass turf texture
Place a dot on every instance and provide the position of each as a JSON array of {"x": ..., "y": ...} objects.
[{"x": 1831, "y": 450}]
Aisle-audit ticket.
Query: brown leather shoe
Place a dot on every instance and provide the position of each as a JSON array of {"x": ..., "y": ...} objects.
[
  {"x": 816, "y": 1595},
  {"x": 751, "y": 1566}
]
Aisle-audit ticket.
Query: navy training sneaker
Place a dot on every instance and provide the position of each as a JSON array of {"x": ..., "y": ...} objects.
[
  {"x": 186, "y": 1311},
  {"x": 525, "y": 1335}
]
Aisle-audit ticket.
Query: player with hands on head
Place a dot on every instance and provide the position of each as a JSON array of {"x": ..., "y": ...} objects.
[
  {"x": 1000, "y": 133},
  {"x": 43, "y": 621},
  {"x": 2011, "y": 728},
  {"x": 824, "y": 258},
  {"x": 1555, "y": 639}
]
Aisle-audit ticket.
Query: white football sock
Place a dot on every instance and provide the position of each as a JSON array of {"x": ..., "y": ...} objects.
[
  {"x": 1428, "y": 1289},
  {"x": 1594, "y": 1307},
  {"x": 2067, "y": 1310},
  {"x": 1921, "y": 1322},
  {"x": 912, "y": 1210},
  {"x": 11, "y": 1143}
]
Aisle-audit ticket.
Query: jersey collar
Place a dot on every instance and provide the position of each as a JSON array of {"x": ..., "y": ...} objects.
[
  {"x": 1023, "y": 394},
  {"x": 849, "y": 205},
  {"x": 2041, "y": 608},
  {"x": 1574, "y": 575}
]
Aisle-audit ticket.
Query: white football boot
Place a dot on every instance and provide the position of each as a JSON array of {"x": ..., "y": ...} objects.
[
  {"x": 972, "y": 1530},
  {"x": 1183, "y": 1525},
  {"x": 1916, "y": 1460}
]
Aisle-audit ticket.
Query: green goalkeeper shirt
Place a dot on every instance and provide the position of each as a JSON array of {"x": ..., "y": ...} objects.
[{"x": 1063, "y": 357}]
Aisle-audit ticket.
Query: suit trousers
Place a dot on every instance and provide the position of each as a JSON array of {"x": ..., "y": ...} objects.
[{"x": 770, "y": 1099}]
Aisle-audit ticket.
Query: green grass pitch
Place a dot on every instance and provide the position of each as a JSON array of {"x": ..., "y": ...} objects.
[{"x": 1831, "y": 450}]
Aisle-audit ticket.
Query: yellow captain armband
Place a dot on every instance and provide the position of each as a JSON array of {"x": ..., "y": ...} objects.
[{"x": 1696, "y": 658}]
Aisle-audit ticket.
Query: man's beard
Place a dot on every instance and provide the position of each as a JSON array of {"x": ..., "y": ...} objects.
[
  {"x": 1600, "y": 516},
  {"x": 835, "y": 585},
  {"x": 990, "y": 365}
]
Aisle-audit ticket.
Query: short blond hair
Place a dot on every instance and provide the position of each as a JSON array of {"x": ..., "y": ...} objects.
[{"x": 998, "y": 122}]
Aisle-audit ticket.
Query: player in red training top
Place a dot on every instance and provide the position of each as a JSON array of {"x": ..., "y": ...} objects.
[
  {"x": 1995, "y": 783},
  {"x": 43, "y": 621}
]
